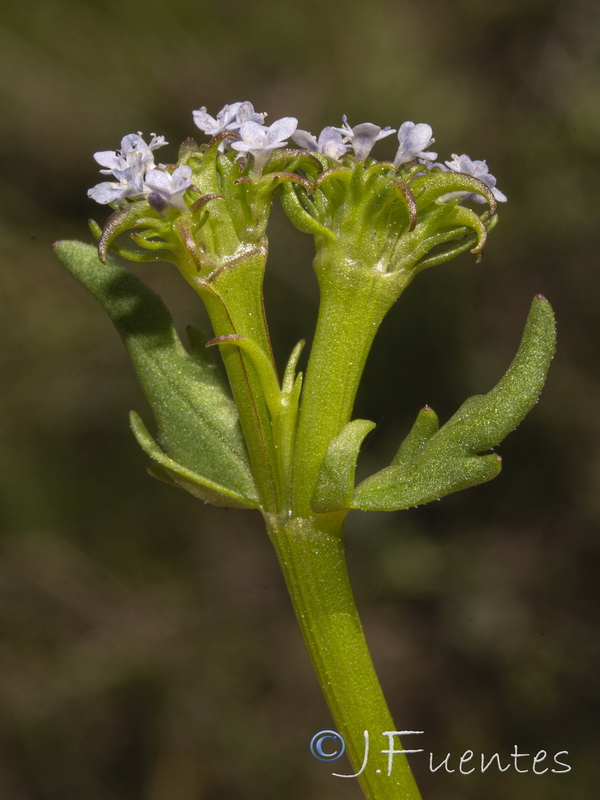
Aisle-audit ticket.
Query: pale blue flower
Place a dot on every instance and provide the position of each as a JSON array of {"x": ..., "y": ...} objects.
[
  {"x": 229, "y": 118},
  {"x": 413, "y": 138},
  {"x": 128, "y": 166},
  {"x": 260, "y": 140},
  {"x": 167, "y": 188},
  {"x": 329, "y": 143},
  {"x": 363, "y": 137},
  {"x": 134, "y": 153},
  {"x": 477, "y": 169},
  {"x": 127, "y": 183}
]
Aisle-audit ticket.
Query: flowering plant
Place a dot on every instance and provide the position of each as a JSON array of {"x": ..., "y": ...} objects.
[{"x": 288, "y": 445}]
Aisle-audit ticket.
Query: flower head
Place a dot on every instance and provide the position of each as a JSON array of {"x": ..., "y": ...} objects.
[
  {"x": 260, "y": 140},
  {"x": 329, "y": 143},
  {"x": 229, "y": 118},
  {"x": 128, "y": 165},
  {"x": 477, "y": 169},
  {"x": 362, "y": 137},
  {"x": 413, "y": 139}
]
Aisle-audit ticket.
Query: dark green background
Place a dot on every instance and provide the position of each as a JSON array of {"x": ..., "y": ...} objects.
[{"x": 148, "y": 649}]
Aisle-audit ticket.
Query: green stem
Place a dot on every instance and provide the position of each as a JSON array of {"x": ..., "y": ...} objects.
[
  {"x": 234, "y": 301},
  {"x": 354, "y": 301},
  {"x": 311, "y": 555}
]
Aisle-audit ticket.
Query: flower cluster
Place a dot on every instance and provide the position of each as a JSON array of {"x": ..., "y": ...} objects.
[
  {"x": 241, "y": 130},
  {"x": 230, "y": 118},
  {"x": 250, "y": 136},
  {"x": 136, "y": 175}
]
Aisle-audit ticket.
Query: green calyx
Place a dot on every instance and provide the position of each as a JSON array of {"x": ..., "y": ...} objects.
[
  {"x": 384, "y": 218},
  {"x": 391, "y": 220}
]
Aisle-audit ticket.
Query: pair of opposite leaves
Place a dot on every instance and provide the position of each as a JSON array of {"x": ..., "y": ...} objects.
[{"x": 202, "y": 448}]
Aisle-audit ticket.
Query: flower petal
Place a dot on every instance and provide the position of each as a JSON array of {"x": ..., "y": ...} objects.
[
  {"x": 306, "y": 140},
  {"x": 281, "y": 129}
]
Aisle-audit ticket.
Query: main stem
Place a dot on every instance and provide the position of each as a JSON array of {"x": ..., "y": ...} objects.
[{"x": 311, "y": 555}]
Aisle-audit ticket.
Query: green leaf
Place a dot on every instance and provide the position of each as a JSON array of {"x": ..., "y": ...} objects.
[
  {"x": 431, "y": 464},
  {"x": 170, "y": 471},
  {"x": 197, "y": 422},
  {"x": 335, "y": 481}
]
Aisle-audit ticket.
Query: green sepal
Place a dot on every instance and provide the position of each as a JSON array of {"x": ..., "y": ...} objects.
[
  {"x": 432, "y": 463},
  {"x": 336, "y": 172},
  {"x": 465, "y": 217},
  {"x": 465, "y": 242},
  {"x": 300, "y": 216},
  {"x": 429, "y": 187},
  {"x": 292, "y": 160},
  {"x": 268, "y": 182},
  {"x": 335, "y": 482},
  {"x": 125, "y": 219},
  {"x": 170, "y": 471},
  {"x": 407, "y": 198},
  {"x": 197, "y": 421}
]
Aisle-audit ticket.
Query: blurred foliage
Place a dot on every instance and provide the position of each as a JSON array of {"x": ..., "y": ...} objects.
[{"x": 148, "y": 649}]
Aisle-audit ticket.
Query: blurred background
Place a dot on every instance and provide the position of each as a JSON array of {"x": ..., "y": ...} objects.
[{"x": 148, "y": 649}]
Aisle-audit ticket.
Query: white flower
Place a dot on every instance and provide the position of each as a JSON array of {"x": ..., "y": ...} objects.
[
  {"x": 413, "y": 139},
  {"x": 213, "y": 125},
  {"x": 260, "y": 140},
  {"x": 134, "y": 153},
  {"x": 329, "y": 143},
  {"x": 229, "y": 118},
  {"x": 127, "y": 184},
  {"x": 128, "y": 165},
  {"x": 363, "y": 137},
  {"x": 477, "y": 169},
  {"x": 168, "y": 188},
  {"x": 246, "y": 113}
]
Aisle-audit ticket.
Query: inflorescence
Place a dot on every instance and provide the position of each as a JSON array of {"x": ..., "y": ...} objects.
[
  {"x": 242, "y": 130},
  {"x": 212, "y": 206}
]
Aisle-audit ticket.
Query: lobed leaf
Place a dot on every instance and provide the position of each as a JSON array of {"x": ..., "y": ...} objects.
[{"x": 432, "y": 463}]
